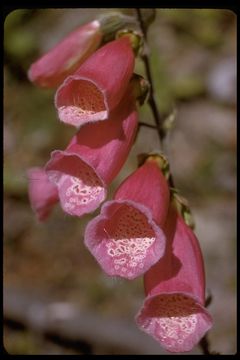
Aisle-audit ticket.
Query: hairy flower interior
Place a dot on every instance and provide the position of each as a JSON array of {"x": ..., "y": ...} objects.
[
  {"x": 81, "y": 98},
  {"x": 170, "y": 318},
  {"x": 129, "y": 238},
  {"x": 79, "y": 186}
]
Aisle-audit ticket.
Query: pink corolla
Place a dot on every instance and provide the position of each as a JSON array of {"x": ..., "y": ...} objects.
[
  {"x": 125, "y": 238},
  {"x": 173, "y": 312},
  {"x": 63, "y": 59},
  {"x": 98, "y": 85},
  {"x": 43, "y": 194},
  {"x": 93, "y": 159}
]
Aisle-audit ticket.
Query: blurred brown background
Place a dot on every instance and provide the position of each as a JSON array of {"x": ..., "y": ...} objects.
[{"x": 193, "y": 59}]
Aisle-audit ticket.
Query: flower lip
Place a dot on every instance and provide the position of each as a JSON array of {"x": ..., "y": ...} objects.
[
  {"x": 177, "y": 320},
  {"x": 43, "y": 195},
  {"x": 80, "y": 188},
  {"x": 79, "y": 100},
  {"x": 124, "y": 239},
  {"x": 105, "y": 87}
]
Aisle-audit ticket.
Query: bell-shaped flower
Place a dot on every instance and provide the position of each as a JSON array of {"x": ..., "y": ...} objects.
[
  {"x": 173, "y": 312},
  {"x": 43, "y": 194},
  {"x": 93, "y": 159},
  {"x": 125, "y": 238},
  {"x": 98, "y": 85},
  {"x": 64, "y": 58}
]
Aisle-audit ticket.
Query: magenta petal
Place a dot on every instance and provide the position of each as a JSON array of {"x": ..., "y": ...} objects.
[
  {"x": 173, "y": 311},
  {"x": 106, "y": 145},
  {"x": 64, "y": 58},
  {"x": 97, "y": 86},
  {"x": 97, "y": 151},
  {"x": 177, "y": 320},
  {"x": 149, "y": 187},
  {"x": 43, "y": 194},
  {"x": 80, "y": 189},
  {"x": 182, "y": 267},
  {"x": 124, "y": 239}
]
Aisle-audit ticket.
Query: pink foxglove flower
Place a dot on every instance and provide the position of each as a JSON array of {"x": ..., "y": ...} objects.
[
  {"x": 93, "y": 159},
  {"x": 43, "y": 194},
  {"x": 97, "y": 86},
  {"x": 125, "y": 238},
  {"x": 62, "y": 60},
  {"x": 173, "y": 312}
]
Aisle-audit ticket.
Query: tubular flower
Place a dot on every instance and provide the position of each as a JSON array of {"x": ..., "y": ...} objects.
[
  {"x": 43, "y": 194},
  {"x": 93, "y": 159},
  {"x": 97, "y": 86},
  {"x": 125, "y": 238},
  {"x": 62, "y": 60},
  {"x": 173, "y": 312}
]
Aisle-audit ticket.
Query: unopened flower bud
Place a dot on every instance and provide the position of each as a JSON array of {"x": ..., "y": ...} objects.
[
  {"x": 140, "y": 87},
  {"x": 135, "y": 38},
  {"x": 112, "y": 22},
  {"x": 183, "y": 208},
  {"x": 160, "y": 160},
  {"x": 169, "y": 121}
]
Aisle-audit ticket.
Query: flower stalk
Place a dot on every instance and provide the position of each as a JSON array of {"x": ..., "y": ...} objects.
[
  {"x": 162, "y": 131},
  {"x": 151, "y": 100}
]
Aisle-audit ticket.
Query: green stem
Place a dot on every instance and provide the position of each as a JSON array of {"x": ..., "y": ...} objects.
[
  {"x": 147, "y": 125},
  {"x": 151, "y": 100}
]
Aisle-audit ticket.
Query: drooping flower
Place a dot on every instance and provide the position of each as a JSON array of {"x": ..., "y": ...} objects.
[
  {"x": 63, "y": 59},
  {"x": 93, "y": 159},
  {"x": 125, "y": 238},
  {"x": 173, "y": 312},
  {"x": 98, "y": 85},
  {"x": 43, "y": 194}
]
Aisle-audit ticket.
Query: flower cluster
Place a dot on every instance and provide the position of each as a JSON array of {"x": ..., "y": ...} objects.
[{"x": 140, "y": 232}]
